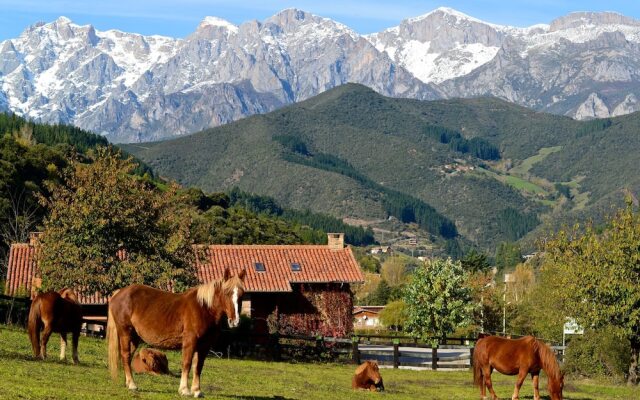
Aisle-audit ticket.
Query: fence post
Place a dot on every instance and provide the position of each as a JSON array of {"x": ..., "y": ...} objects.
[
  {"x": 275, "y": 346},
  {"x": 319, "y": 346},
  {"x": 434, "y": 357},
  {"x": 396, "y": 353},
  {"x": 355, "y": 352}
]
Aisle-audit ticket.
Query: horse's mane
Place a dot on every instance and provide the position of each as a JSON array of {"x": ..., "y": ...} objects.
[
  {"x": 68, "y": 294},
  {"x": 206, "y": 292},
  {"x": 362, "y": 367},
  {"x": 547, "y": 359}
]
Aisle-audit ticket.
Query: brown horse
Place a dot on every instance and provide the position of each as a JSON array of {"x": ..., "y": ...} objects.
[
  {"x": 190, "y": 321},
  {"x": 150, "y": 361},
  {"x": 367, "y": 376},
  {"x": 520, "y": 357},
  {"x": 57, "y": 312}
]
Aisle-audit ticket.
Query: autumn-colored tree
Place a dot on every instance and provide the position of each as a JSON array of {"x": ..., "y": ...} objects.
[
  {"x": 438, "y": 301},
  {"x": 394, "y": 271},
  {"x": 101, "y": 211},
  {"x": 598, "y": 277}
]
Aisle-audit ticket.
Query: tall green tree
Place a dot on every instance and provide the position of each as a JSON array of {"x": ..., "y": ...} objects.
[
  {"x": 100, "y": 210},
  {"x": 438, "y": 301},
  {"x": 508, "y": 255},
  {"x": 394, "y": 315},
  {"x": 475, "y": 261},
  {"x": 599, "y": 277}
]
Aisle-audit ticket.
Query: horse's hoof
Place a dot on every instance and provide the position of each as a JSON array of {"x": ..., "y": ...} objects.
[
  {"x": 184, "y": 392},
  {"x": 198, "y": 394},
  {"x": 132, "y": 386}
]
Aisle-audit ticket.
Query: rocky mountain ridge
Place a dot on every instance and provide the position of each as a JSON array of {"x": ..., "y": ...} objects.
[{"x": 133, "y": 88}]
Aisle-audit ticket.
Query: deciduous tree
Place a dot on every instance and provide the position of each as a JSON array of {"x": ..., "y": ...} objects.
[
  {"x": 599, "y": 277},
  {"x": 438, "y": 301},
  {"x": 100, "y": 210}
]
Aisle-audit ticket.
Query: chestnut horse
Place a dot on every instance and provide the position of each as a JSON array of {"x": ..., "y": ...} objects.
[
  {"x": 165, "y": 320},
  {"x": 367, "y": 376},
  {"x": 57, "y": 312},
  {"x": 150, "y": 361},
  {"x": 520, "y": 357}
]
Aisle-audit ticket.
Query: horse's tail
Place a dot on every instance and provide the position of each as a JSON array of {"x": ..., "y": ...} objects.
[
  {"x": 113, "y": 345},
  {"x": 34, "y": 326},
  {"x": 478, "y": 379}
]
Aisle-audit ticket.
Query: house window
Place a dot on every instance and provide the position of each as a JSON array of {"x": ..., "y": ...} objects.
[
  {"x": 259, "y": 267},
  {"x": 296, "y": 267}
]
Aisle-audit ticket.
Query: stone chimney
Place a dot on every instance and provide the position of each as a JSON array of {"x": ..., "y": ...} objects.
[{"x": 335, "y": 241}]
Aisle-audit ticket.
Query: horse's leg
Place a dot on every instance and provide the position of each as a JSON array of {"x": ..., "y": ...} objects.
[
  {"x": 536, "y": 392},
  {"x": 188, "y": 348},
  {"x": 522, "y": 374},
  {"x": 75, "y": 336},
  {"x": 486, "y": 372},
  {"x": 483, "y": 389},
  {"x": 46, "y": 332},
  {"x": 198, "y": 359},
  {"x": 125, "y": 353},
  {"x": 63, "y": 346}
]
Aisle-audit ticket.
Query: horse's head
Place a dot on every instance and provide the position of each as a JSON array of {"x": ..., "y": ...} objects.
[
  {"x": 555, "y": 387},
  {"x": 68, "y": 294},
  {"x": 233, "y": 289},
  {"x": 369, "y": 372}
]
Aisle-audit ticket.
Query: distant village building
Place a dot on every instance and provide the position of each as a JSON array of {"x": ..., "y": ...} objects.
[
  {"x": 367, "y": 317},
  {"x": 297, "y": 289},
  {"x": 380, "y": 250}
]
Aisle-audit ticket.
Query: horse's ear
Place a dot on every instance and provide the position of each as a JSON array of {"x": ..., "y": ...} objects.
[
  {"x": 242, "y": 274},
  {"x": 227, "y": 274}
]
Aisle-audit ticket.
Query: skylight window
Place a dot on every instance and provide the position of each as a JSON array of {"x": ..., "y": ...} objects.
[
  {"x": 296, "y": 267},
  {"x": 259, "y": 267}
]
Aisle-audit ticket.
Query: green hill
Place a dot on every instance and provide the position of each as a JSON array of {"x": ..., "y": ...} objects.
[{"x": 484, "y": 168}]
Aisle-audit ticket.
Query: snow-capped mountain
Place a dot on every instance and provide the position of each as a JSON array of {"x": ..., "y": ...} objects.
[{"x": 138, "y": 88}]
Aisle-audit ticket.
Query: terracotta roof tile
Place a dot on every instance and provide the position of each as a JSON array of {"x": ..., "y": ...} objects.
[
  {"x": 319, "y": 264},
  {"x": 23, "y": 275}
]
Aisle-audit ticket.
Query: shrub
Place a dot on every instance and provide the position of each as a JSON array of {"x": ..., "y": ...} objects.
[{"x": 598, "y": 353}]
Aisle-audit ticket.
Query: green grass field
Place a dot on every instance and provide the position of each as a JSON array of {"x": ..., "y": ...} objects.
[
  {"x": 526, "y": 164},
  {"x": 21, "y": 377}
]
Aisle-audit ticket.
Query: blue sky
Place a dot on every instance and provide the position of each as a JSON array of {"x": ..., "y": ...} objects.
[{"x": 179, "y": 18}]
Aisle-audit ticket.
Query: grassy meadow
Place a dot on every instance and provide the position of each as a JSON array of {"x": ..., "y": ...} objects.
[{"x": 22, "y": 377}]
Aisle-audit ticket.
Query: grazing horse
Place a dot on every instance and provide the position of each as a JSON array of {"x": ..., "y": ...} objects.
[
  {"x": 367, "y": 376},
  {"x": 150, "y": 361},
  {"x": 57, "y": 312},
  {"x": 165, "y": 320},
  {"x": 520, "y": 357}
]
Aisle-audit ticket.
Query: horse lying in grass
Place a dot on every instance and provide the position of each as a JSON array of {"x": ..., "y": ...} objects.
[
  {"x": 367, "y": 376},
  {"x": 57, "y": 312},
  {"x": 165, "y": 320},
  {"x": 150, "y": 361},
  {"x": 519, "y": 357}
]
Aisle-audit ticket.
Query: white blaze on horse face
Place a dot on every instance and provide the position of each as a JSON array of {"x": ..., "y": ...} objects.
[{"x": 236, "y": 320}]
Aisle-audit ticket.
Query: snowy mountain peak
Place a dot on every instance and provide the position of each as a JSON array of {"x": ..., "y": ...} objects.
[
  {"x": 586, "y": 18},
  {"x": 62, "y": 20},
  {"x": 446, "y": 12},
  {"x": 218, "y": 22},
  {"x": 135, "y": 88}
]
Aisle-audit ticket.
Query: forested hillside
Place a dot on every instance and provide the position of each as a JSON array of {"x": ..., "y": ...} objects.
[
  {"x": 34, "y": 157},
  {"x": 481, "y": 169}
]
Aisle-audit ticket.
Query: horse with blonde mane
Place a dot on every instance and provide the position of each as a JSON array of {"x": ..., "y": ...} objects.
[
  {"x": 523, "y": 356},
  {"x": 190, "y": 321},
  {"x": 58, "y": 312}
]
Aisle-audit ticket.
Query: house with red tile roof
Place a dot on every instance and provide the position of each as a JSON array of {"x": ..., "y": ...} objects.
[{"x": 295, "y": 289}]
